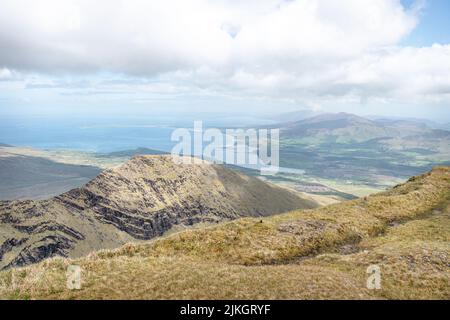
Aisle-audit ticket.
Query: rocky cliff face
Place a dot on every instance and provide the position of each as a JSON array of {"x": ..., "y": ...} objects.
[{"x": 139, "y": 200}]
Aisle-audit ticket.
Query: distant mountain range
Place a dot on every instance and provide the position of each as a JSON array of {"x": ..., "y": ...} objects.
[
  {"x": 140, "y": 200},
  {"x": 357, "y": 155},
  {"x": 345, "y": 128}
]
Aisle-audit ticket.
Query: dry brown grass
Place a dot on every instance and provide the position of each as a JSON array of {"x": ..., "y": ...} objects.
[{"x": 312, "y": 254}]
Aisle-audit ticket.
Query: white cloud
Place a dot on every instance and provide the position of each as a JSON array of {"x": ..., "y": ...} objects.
[
  {"x": 5, "y": 74},
  {"x": 303, "y": 50}
]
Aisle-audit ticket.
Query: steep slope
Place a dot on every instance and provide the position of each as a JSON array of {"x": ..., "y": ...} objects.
[
  {"x": 139, "y": 200},
  {"x": 311, "y": 254}
]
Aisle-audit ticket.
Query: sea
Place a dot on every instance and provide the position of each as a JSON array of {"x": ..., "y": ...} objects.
[{"x": 108, "y": 134}]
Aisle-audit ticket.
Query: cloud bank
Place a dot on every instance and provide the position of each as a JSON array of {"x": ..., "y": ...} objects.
[{"x": 304, "y": 50}]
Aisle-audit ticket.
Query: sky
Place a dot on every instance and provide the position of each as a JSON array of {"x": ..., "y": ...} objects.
[
  {"x": 433, "y": 25},
  {"x": 67, "y": 57}
]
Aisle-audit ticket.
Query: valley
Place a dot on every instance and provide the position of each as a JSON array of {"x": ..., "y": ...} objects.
[{"x": 359, "y": 156}]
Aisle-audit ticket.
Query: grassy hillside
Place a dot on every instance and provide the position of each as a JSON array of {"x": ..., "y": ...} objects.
[{"x": 321, "y": 253}]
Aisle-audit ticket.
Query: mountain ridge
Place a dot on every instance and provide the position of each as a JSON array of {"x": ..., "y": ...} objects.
[
  {"x": 139, "y": 200},
  {"x": 351, "y": 127}
]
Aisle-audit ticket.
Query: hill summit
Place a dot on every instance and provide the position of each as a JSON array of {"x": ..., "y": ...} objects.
[{"x": 140, "y": 200}]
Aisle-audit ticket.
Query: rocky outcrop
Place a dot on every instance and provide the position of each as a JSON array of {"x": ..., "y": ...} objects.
[
  {"x": 48, "y": 246},
  {"x": 139, "y": 200},
  {"x": 9, "y": 244}
]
